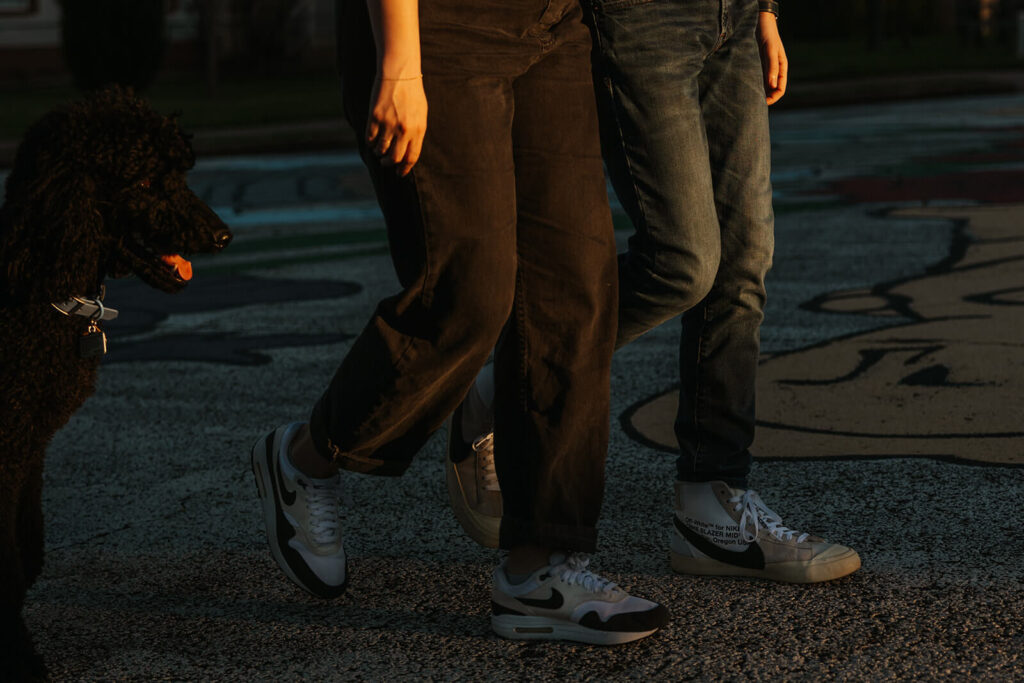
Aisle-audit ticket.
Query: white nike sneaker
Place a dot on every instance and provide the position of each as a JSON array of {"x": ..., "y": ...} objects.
[
  {"x": 302, "y": 517},
  {"x": 566, "y": 601},
  {"x": 721, "y": 531}
]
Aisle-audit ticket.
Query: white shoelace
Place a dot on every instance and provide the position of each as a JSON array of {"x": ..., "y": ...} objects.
[
  {"x": 322, "y": 505},
  {"x": 756, "y": 513},
  {"x": 484, "y": 448},
  {"x": 573, "y": 570}
]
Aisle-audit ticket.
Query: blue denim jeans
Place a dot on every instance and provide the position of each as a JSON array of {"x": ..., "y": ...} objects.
[{"x": 685, "y": 139}]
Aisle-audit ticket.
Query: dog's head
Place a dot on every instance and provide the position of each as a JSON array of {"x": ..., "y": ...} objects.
[{"x": 99, "y": 189}]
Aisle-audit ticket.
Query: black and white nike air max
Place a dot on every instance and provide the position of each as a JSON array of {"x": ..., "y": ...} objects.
[
  {"x": 565, "y": 601},
  {"x": 302, "y": 517}
]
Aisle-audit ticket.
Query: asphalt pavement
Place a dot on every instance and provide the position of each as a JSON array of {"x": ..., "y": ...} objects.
[{"x": 891, "y": 402}]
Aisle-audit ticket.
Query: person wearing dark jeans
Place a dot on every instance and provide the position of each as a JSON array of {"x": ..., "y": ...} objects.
[
  {"x": 496, "y": 210},
  {"x": 683, "y": 90}
]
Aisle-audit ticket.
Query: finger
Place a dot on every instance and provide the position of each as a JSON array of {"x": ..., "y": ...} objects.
[
  {"x": 773, "y": 74},
  {"x": 384, "y": 142},
  {"x": 372, "y": 129},
  {"x": 783, "y": 79},
  {"x": 397, "y": 151},
  {"x": 412, "y": 155}
]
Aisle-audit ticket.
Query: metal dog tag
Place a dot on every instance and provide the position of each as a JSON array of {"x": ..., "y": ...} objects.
[{"x": 93, "y": 343}]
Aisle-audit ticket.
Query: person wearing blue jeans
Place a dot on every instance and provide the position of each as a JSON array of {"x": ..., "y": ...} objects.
[{"x": 683, "y": 90}]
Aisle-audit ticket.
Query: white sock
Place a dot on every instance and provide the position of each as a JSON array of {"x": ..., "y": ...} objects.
[{"x": 478, "y": 408}]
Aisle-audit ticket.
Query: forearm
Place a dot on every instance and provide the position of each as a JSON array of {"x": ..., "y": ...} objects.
[{"x": 396, "y": 31}]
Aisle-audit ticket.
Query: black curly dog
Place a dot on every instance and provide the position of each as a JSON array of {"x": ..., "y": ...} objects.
[{"x": 97, "y": 190}]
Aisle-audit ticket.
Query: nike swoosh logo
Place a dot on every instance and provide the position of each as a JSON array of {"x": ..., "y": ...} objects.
[
  {"x": 287, "y": 495},
  {"x": 553, "y": 602},
  {"x": 751, "y": 558}
]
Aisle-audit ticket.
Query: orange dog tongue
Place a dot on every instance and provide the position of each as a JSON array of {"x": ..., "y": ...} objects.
[{"x": 182, "y": 267}]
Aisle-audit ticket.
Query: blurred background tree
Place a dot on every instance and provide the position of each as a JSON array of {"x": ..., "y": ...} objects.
[
  {"x": 113, "y": 41},
  {"x": 275, "y": 33},
  {"x": 870, "y": 20},
  {"x": 832, "y": 40},
  {"x": 271, "y": 61},
  {"x": 875, "y": 22}
]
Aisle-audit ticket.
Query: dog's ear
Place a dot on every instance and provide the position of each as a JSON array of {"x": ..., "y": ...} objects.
[{"x": 51, "y": 246}]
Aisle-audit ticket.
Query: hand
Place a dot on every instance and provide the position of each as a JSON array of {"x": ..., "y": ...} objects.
[
  {"x": 773, "y": 57},
  {"x": 398, "y": 122}
]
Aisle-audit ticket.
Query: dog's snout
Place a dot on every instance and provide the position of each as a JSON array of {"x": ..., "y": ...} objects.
[{"x": 222, "y": 237}]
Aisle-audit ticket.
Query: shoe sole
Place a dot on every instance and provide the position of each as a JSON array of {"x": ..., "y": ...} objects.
[
  {"x": 483, "y": 529},
  {"x": 515, "y": 627},
  {"x": 260, "y": 459},
  {"x": 786, "y": 572}
]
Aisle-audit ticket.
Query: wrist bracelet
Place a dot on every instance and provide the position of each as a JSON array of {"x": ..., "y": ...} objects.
[
  {"x": 771, "y": 6},
  {"x": 408, "y": 78}
]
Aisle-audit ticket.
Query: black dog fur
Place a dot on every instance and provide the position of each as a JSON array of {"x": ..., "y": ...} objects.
[{"x": 97, "y": 189}]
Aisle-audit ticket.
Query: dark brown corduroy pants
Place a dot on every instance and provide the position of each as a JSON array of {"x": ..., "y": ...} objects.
[{"x": 501, "y": 230}]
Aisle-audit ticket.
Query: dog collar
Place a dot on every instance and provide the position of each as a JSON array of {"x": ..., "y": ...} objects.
[{"x": 87, "y": 308}]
